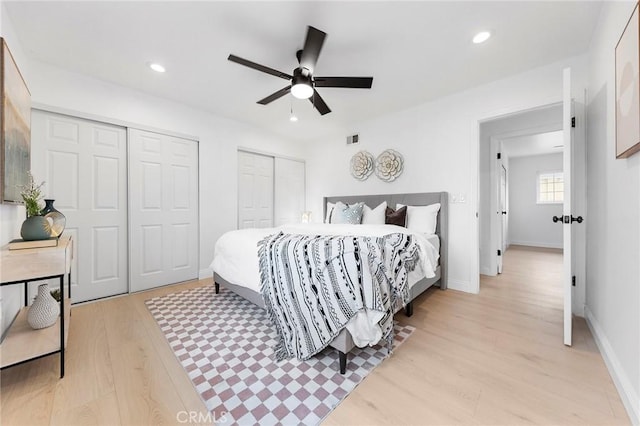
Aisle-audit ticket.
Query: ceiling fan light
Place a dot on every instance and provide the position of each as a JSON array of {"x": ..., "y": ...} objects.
[{"x": 302, "y": 90}]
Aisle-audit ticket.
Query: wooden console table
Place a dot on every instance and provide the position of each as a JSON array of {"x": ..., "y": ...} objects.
[{"x": 22, "y": 343}]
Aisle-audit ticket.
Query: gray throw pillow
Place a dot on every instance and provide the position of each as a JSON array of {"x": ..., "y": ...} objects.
[{"x": 351, "y": 214}]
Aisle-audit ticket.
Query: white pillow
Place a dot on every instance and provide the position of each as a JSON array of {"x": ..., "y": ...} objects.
[
  {"x": 374, "y": 216},
  {"x": 330, "y": 207},
  {"x": 422, "y": 218},
  {"x": 347, "y": 213}
]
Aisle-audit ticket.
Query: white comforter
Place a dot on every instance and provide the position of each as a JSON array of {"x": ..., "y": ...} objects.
[{"x": 236, "y": 260}]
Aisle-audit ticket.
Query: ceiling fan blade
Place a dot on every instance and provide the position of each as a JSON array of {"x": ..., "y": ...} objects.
[
  {"x": 312, "y": 47},
  {"x": 277, "y": 95},
  {"x": 246, "y": 63},
  {"x": 319, "y": 103},
  {"x": 347, "y": 82}
]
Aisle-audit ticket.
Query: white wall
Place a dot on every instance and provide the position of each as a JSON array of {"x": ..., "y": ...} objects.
[
  {"x": 439, "y": 142},
  {"x": 11, "y": 216},
  {"x": 613, "y": 219},
  {"x": 530, "y": 223}
]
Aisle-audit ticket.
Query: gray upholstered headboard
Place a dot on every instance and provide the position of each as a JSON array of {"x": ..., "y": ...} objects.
[{"x": 417, "y": 199}]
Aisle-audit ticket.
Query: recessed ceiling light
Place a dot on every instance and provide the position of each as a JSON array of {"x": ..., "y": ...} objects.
[
  {"x": 481, "y": 37},
  {"x": 156, "y": 67}
]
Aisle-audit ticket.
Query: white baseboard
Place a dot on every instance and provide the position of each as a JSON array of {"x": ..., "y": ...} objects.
[
  {"x": 579, "y": 310},
  {"x": 459, "y": 285},
  {"x": 623, "y": 384},
  {"x": 205, "y": 273},
  {"x": 536, "y": 244},
  {"x": 485, "y": 270}
]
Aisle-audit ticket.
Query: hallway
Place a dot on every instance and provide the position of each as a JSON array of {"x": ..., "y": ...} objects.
[{"x": 531, "y": 278}]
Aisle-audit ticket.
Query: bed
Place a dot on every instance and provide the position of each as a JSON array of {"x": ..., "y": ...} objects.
[{"x": 235, "y": 265}]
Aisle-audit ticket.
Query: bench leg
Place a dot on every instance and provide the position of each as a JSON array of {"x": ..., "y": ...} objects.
[{"x": 408, "y": 309}]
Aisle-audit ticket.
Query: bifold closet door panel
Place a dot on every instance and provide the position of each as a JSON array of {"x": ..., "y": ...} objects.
[
  {"x": 289, "y": 191},
  {"x": 84, "y": 166},
  {"x": 255, "y": 190},
  {"x": 163, "y": 209}
]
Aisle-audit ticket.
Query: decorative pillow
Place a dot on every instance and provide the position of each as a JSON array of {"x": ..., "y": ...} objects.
[
  {"x": 330, "y": 207},
  {"x": 396, "y": 217},
  {"x": 374, "y": 216},
  {"x": 343, "y": 213},
  {"x": 422, "y": 218}
]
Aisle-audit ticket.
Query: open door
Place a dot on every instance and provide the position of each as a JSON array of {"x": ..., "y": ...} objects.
[
  {"x": 502, "y": 214},
  {"x": 567, "y": 219}
]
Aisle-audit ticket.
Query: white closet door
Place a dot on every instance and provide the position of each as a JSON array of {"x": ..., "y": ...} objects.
[
  {"x": 84, "y": 165},
  {"x": 255, "y": 190},
  {"x": 289, "y": 191},
  {"x": 163, "y": 209}
]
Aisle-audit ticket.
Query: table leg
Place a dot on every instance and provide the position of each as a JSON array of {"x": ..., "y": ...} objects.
[
  {"x": 61, "y": 326},
  {"x": 26, "y": 293},
  {"x": 69, "y": 285}
]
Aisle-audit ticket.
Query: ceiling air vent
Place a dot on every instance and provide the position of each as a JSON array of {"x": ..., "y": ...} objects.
[{"x": 352, "y": 139}]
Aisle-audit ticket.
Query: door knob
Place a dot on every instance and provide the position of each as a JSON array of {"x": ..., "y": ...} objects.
[{"x": 567, "y": 219}]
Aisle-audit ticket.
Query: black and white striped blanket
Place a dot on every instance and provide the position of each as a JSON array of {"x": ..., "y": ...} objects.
[{"x": 314, "y": 285}]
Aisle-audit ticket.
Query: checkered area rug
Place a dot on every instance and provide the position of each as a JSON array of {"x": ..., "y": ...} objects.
[{"x": 225, "y": 342}]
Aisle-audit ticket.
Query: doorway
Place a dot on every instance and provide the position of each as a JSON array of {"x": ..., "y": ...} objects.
[
  {"x": 531, "y": 193},
  {"x": 515, "y": 135},
  {"x": 495, "y": 166}
]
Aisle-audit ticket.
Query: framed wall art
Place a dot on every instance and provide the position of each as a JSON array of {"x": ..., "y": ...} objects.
[
  {"x": 628, "y": 89},
  {"x": 362, "y": 164},
  {"x": 15, "y": 129},
  {"x": 389, "y": 165}
]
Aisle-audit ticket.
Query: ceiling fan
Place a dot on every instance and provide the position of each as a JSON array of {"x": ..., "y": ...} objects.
[{"x": 303, "y": 83}]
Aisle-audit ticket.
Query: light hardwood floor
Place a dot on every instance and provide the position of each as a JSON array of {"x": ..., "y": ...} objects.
[{"x": 492, "y": 358}]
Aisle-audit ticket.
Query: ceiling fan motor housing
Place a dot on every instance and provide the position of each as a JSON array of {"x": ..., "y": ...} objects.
[{"x": 301, "y": 76}]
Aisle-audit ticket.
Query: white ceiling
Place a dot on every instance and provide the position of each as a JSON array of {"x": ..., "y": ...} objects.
[
  {"x": 416, "y": 51},
  {"x": 541, "y": 143}
]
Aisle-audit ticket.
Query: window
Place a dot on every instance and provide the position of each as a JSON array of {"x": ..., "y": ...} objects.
[{"x": 550, "y": 188}]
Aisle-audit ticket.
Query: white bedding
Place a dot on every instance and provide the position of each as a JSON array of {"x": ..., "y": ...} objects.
[
  {"x": 236, "y": 252},
  {"x": 435, "y": 241},
  {"x": 236, "y": 260}
]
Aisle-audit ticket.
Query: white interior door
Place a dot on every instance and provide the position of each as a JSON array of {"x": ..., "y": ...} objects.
[
  {"x": 289, "y": 191},
  {"x": 255, "y": 190},
  {"x": 502, "y": 214},
  {"x": 567, "y": 272},
  {"x": 163, "y": 209},
  {"x": 84, "y": 165}
]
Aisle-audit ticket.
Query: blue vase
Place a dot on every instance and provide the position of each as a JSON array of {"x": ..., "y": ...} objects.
[
  {"x": 56, "y": 220},
  {"x": 35, "y": 228}
]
